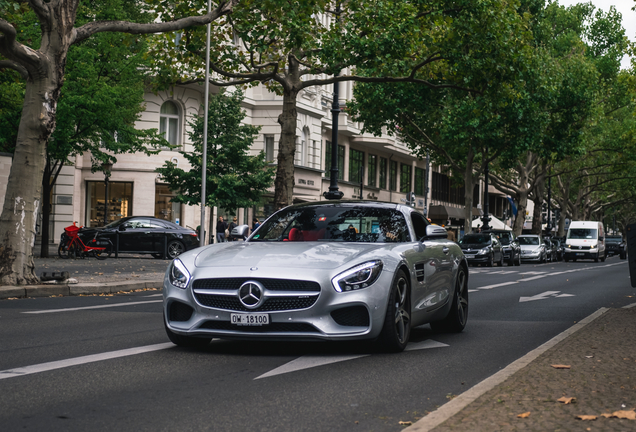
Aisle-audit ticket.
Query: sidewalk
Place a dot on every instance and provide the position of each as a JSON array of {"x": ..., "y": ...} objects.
[
  {"x": 582, "y": 380},
  {"x": 90, "y": 276}
]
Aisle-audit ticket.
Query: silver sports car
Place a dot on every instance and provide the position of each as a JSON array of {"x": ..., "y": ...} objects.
[{"x": 321, "y": 271}]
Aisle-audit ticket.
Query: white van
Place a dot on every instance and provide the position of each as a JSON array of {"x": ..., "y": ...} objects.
[{"x": 585, "y": 240}]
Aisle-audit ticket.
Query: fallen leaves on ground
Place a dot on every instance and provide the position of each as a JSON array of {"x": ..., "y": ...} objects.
[
  {"x": 405, "y": 423},
  {"x": 524, "y": 415},
  {"x": 560, "y": 366},
  {"x": 586, "y": 417},
  {"x": 629, "y": 415},
  {"x": 567, "y": 400}
]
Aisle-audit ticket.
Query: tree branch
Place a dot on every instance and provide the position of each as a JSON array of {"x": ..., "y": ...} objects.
[
  {"x": 8, "y": 64},
  {"x": 87, "y": 30}
]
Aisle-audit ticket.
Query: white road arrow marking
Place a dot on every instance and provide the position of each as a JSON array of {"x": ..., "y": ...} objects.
[
  {"x": 543, "y": 296},
  {"x": 310, "y": 361}
]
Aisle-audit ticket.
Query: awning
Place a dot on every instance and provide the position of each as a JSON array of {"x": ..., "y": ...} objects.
[
  {"x": 477, "y": 212},
  {"x": 445, "y": 212}
]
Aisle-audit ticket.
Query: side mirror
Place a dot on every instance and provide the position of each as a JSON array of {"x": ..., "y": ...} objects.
[
  {"x": 435, "y": 232},
  {"x": 601, "y": 238},
  {"x": 122, "y": 227},
  {"x": 240, "y": 231}
]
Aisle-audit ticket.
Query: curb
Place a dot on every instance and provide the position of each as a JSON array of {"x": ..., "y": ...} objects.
[
  {"x": 48, "y": 290},
  {"x": 454, "y": 406}
]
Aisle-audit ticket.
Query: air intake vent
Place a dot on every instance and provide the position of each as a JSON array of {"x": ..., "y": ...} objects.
[
  {"x": 179, "y": 312},
  {"x": 353, "y": 316}
]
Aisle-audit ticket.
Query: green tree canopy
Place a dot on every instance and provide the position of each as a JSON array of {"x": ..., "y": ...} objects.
[{"x": 233, "y": 178}]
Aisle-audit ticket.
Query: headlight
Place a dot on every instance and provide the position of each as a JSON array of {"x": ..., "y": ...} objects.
[
  {"x": 360, "y": 276},
  {"x": 178, "y": 274},
  {"x": 593, "y": 247},
  {"x": 484, "y": 251},
  {"x": 537, "y": 250}
]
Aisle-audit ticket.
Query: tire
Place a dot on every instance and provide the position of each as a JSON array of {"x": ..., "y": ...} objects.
[
  {"x": 566, "y": 259},
  {"x": 512, "y": 259},
  {"x": 175, "y": 248},
  {"x": 63, "y": 250},
  {"x": 102, "y": 255},
  {"x": 491, "y": 260},
  {"x": 604, "y": 257},
  {"x": 396, "y": 330},
  {"x": 596, "y": 258},
  {"x": 457, "y": 317},
  {"x": 186, "y": 341},
  {"x": 518, "y": 263}
]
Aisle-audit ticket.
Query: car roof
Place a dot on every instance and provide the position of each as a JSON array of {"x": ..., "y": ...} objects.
[
  {"x": 529, "y": 235},
  {"x": 349, "y": 203}
]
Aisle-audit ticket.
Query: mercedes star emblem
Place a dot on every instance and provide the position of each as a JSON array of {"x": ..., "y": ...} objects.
[{"x": 251, "y": 294}]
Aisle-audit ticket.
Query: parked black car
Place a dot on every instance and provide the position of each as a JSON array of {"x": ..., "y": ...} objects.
[
  {"x": 550, "y": 250},
  {"x": 146, "y": 234},
  {"x": 557, "y": 245},
  {"x": 482, "y": 248},
  {"x": 510, "y": 245},
  {"x": 615, "y": 245}
]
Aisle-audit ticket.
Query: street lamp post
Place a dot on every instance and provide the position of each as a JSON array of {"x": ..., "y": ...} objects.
[
  {"x": 333, "y": 193},
  {"x": 106, "y": 167},
  {"x": 486, "y": 217}
]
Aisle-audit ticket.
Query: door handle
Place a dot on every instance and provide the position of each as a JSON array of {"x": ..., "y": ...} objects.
[{"x": 445, "y": 250}]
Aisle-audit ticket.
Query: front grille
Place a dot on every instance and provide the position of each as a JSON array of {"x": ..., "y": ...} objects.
[
  {"x": 353, "y": 316},
  {"x": 269, "y": 284},
  {"x": 271, "y": 304},
  {"x": 179, "y": 312},
  {"x": 269, "y": 328}
]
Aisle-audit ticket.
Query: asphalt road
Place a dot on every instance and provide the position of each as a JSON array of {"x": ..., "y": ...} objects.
[{"x": 104, "y": 362}]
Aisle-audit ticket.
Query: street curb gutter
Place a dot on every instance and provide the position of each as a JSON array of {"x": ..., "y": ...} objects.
[
  {"x": 454, "y": 406},
  {"x": 48, "y": 290}
]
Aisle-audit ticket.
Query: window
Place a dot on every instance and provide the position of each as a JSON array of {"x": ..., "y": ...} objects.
[
  {"x": 269, "y": 148},
  {"x": 393, "y": 175},
  {"x": 341, "y": 154},
  {"x": 119, "y": 202},
  {"x": 356, "y": 166},
  {"x": 383, "y": 166},
  {"x": 372, "y": 169},
  {"x": 420, "y": 181},
  {"x": 164, "y": 209},
  {"x": 405, "y": 178},
  {"x": 169, "y": 122},
  {"x": 419, "y": 225}
]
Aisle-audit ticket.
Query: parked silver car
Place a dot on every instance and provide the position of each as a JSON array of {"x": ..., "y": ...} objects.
[
  {"x": 328, "y": 271},
  {"x": 532, "y": 248}
]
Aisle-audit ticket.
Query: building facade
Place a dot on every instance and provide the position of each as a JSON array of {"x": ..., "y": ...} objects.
[{"x": 370, "y": 168}]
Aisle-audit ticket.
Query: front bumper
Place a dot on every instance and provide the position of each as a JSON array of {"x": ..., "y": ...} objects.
[
  {"x": 531, "y": 256},
  {"x": 570, "y": 254},
  {"x": 331, "y": 316}
]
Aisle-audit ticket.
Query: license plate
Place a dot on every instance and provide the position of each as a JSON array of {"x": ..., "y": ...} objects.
[
  {"x": 249, "y": 319},
  {"x": 469, "y": 256},
  {"x": 580, "y": 254}
]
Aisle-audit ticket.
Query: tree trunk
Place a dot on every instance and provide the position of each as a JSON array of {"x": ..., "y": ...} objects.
[
  {"x": 469, "y": 186},
  {"x": 537, "y": 199},
  {"x": 284, "y": 181},
  {"x": 24, "y": 188}
]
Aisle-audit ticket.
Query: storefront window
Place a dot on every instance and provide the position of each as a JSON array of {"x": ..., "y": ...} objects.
[
  {"x": 119, "y": 202},
  {"x": 164, "y": 209}
]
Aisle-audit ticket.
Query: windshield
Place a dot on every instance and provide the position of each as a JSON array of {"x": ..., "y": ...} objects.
[
  {"x": 532, "y": 241},
  {"x": 335, "y": 223},
  {"x": 116, "y": 223},
  {"x": 581, "y": 233},
  {"x": 504, "y": 238},
  {"x": 475, "y": 239},
  {"x": 614, "y": 239}
]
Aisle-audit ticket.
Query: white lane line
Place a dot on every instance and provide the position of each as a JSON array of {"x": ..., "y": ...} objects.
[
  {"x": 533, "y": 278},
  {"x": 487, "y": 287},
  {"x": 92, "y": 307},
  {"x": 311, "y": 361},
  {"x": 43, "y": 367}
]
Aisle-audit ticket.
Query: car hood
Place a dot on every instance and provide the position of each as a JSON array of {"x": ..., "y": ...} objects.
[
  {"x": 473, "y": 246},
  {"x": 530, "y": 247},
  {"x": 314, "y": 255}
]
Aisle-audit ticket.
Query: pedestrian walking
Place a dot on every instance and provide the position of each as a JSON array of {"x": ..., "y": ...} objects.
[
  {"x": 233, "y": 225},
  {"x": 221, "y": 226},
  {"x": 255, "y": 224}
]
